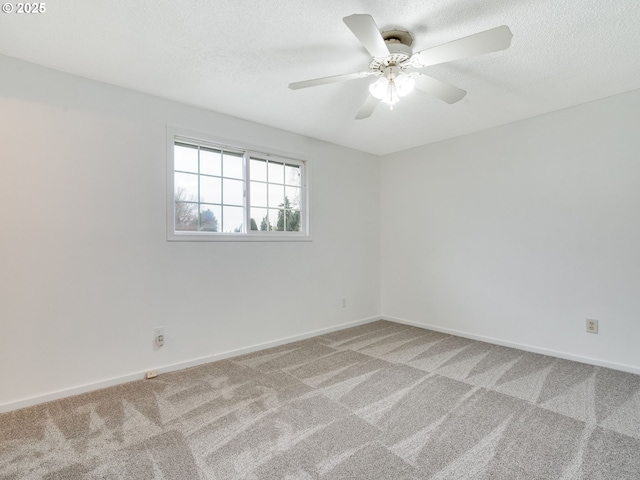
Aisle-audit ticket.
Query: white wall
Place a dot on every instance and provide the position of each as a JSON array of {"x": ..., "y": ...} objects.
[
  {"x": 520, "y": 233},
  {"x": 86, "y": 271}
]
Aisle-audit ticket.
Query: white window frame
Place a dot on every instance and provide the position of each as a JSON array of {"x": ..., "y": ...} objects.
[{"x": 248, "y": 152}]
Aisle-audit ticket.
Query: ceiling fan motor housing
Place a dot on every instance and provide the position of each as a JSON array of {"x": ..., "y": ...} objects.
[{"x": 398, "y": 53}]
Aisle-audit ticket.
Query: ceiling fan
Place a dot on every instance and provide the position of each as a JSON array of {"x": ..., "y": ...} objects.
[{"x": 396, "y": 66}]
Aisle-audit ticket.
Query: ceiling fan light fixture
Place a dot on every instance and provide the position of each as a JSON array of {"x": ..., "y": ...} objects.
[{"x": 391, "y": 87}]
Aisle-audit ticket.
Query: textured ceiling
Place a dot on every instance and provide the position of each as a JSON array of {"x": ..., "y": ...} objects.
[{"x": 238, "y": 58}]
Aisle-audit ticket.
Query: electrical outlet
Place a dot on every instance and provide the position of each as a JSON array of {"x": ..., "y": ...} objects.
[
  {"x": 158, "y": 336},
  {"x": 592, "y": 325},
  {"x": 152, "y": 374}
]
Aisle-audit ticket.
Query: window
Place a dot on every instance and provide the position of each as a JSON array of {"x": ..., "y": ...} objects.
[{"x": 228, "y": 193}]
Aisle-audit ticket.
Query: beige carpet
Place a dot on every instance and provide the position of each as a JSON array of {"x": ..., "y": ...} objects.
[{"x": 380, "y": 401}]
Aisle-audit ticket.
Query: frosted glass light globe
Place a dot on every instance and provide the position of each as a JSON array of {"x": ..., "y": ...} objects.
[
  {"x": 379, "y": 88},
  {"x": 404, "y": 84}
]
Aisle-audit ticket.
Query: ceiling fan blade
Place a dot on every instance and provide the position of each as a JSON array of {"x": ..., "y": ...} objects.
[
  {"x": 437, "y": 88},
  {"x": 366, "y": 30},
  {"x": 367, "y": 107},
  {"x": 326, "y": 80},
  {"x": 493, "y": 40}
]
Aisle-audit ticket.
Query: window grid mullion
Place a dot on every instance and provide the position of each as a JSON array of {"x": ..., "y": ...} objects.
[
  {"x": 247, "y": 204},
  {"x": 268, "y": 203},
  {"x": 221, "y": 190},
  {"x": 198, "y": 211},
  {"x": 284, "y": 200}
]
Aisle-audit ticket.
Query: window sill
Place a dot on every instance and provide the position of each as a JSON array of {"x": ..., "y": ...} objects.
[{"x": 235, "y": 237}]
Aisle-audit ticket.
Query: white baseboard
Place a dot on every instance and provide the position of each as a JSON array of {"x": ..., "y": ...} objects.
[
  {"x": 89, "y": 387},
  {"x": 519, "y": 346}
]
